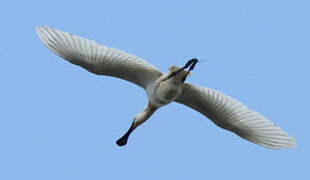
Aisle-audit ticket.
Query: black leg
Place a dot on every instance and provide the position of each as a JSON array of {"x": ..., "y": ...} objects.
[
  {"x": 190, "y": 63},
  {"x": 194, "y": 62}
]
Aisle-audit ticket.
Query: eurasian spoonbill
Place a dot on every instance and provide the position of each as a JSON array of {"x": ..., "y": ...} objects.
[{"x": 164, "y": 88}]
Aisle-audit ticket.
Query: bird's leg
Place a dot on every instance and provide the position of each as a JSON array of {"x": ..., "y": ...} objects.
[
  {"x": 190, "y": 69},
  {"x": 191, "y": 63},
  {"x": 138, "y": 120}
]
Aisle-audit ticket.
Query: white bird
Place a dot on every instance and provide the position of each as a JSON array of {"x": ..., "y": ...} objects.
[{"x": 163, "y": 89}]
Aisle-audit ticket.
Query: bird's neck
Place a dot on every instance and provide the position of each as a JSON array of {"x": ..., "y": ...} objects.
[
  {"x": 146, "y": 114},
  {"x": 148, "y": 111}
]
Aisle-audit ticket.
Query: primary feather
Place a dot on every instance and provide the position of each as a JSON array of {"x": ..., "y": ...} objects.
[
  {"x": 232, "y": 115},
  {"x": 98, "y": 59}
]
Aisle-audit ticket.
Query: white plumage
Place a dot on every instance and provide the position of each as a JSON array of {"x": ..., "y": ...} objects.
[{"x": 162, "y": 89}]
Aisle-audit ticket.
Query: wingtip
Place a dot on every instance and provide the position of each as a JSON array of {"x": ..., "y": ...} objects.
[
  {"x": 293, "y": 145},
  {"x": 40, "y": 28},
  {"x": 37, "y": 28},
  {"x": 40, "y": 32},
  {"x": 289, "y": 144},
  {"x": 292, "y": 142},
  {"x": 272, "y": 141}
]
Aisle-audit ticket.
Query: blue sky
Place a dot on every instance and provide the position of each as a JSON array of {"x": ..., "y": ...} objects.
[{"x": 61, "y": 122}]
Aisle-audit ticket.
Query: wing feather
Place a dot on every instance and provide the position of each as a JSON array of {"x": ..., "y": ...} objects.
[
  {"x": 232, "y": 115},
  {"x": 98, "y": 59}
]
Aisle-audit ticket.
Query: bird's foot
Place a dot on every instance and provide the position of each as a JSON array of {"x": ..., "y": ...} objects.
[{"x": 192, "y": 64}]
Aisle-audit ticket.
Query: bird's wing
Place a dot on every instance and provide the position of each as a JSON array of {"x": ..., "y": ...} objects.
[
  {"x": 232, "y": 115},
  {"x": 98, "y": 59}
]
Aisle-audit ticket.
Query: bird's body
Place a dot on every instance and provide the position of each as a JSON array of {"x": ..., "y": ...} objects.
[
  {"x": 163, "y": 89},
  {"x": 162, "y": 92}
]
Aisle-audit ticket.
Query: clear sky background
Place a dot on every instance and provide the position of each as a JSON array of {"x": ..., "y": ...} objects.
[{"x": 60, "y": 122}]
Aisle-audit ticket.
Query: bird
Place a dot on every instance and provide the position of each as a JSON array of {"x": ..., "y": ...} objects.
[{"x": 165, "y": 88}]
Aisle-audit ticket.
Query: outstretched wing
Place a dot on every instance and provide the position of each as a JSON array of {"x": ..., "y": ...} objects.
[
  {"x": 98, "y": 59},
  {"x": 232, "y": 115}
]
